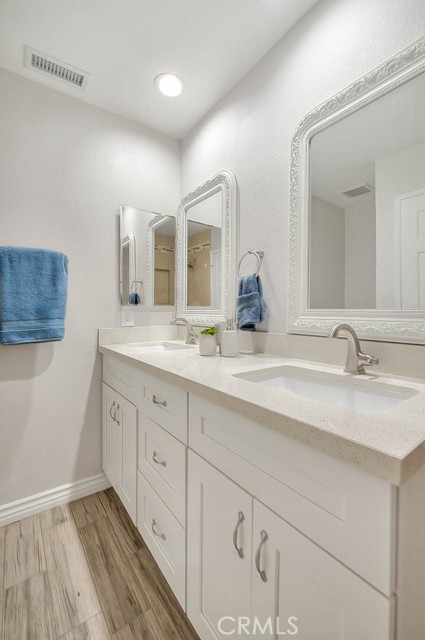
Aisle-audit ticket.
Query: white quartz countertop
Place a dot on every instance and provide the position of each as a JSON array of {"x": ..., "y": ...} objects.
[{"x": 388, "y": 444}]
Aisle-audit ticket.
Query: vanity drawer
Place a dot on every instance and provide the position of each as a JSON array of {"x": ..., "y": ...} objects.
[
  {"x": 162, "y": 459},
  {"x": 125, "y": 378},
  {"x": 166, "y": 405},
  {"x": 345, "y": 510},
  {"x": 164, "y": 536}
]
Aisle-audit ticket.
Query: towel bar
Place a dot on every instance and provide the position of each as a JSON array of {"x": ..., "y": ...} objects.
[{"x": 258, "y": 254}]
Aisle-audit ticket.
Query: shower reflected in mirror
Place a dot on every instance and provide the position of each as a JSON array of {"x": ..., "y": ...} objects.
[{"x": 203, "y": 242}]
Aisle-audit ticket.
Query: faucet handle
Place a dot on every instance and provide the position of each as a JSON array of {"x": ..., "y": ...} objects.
[
  {"x": 367, "y": 359},
  {"x": 191, "y": 337}
]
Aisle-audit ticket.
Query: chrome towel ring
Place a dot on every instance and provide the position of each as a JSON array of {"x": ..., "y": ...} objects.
[{"x": 258, "y": 254}]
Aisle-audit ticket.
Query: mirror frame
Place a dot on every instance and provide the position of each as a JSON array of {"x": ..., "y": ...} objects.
[
  {"x": 224, "y": 181},
  {"x": 407, "y": 325}
]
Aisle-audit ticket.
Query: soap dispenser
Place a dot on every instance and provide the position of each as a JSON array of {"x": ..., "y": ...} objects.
[{"x": 229, "y": 341}]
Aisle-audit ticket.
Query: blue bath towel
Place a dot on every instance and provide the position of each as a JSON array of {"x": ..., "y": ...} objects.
[
  {"x": 251, "y": 306},
  {"x": 33, "y": 294}
]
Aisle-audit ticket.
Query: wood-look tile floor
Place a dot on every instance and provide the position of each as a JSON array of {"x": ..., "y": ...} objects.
[{"x": 83, "y": 572}]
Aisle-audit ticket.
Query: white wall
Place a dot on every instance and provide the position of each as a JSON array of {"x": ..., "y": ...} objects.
[
  {"x": 65, "y": 168},
  {"x": 360, "y": 256},
  {"x": 395, "y": 175},
  {"x": 327, "y": 255},
  {"x": 250, "y": 130},
  {"x": 342, "y": 256}
]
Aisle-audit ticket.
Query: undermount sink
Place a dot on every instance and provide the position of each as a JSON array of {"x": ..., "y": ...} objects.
[
  {"x": 360, "y": 395},
  {"x": 158, "y": 347}
]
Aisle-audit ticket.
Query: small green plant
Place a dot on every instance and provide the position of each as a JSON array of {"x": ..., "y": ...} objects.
[{"x": 210, "y": 331}]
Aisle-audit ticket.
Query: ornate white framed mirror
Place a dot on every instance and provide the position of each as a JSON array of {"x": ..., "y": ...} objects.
[
  {"x": 206, "y": 251},
  {"x": 147, "y": 259},
  {"x": 357, "y": 207}
]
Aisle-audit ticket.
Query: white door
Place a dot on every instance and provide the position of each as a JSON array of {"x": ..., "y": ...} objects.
[
  {"x": 111, "y": 436},
  {"x": 300, "y": 590},
  {"x": 218, "y": 551},
  {"x": 412, "y": 249},
  {"x": 126, "y": 420}
]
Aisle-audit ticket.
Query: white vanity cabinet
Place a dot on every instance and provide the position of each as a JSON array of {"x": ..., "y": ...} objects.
[
  {"x": 247, "y": 564},
  {"x": 348, "y": 512},
  {"x": 249, "y": 524},
  {"x": 119, "y": 446}
]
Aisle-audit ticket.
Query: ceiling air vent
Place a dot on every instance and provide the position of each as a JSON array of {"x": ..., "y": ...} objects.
[
  {"x": 360, "y": 190},
  {"x": 56, "y": 68}
]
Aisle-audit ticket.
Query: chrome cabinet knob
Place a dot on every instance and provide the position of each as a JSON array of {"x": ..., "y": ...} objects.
[
  {"x": 155, "y": 532},
  {"x": 155, "y": 459},
  {"x": 155, "y": 400}
]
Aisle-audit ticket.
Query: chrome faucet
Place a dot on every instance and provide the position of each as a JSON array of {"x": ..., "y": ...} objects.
[
  {"x": 356, "y": 359},
  {"x": 190, "y": 333}
]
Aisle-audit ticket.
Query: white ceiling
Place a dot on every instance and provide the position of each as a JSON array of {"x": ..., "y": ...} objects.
[{"x": 124, "y": 44}]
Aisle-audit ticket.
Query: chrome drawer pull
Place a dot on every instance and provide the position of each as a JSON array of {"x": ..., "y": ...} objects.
[
  {"x": 262, "y": 573},
  {"x": 156, "y": 533},
  {"x": 115, "y": 415},
  {"x": 155, "y": 400},
  {"x": 154, "y": 458},
  {"x": 110, "y": 410},
  {"x": 241, "y": 518}
]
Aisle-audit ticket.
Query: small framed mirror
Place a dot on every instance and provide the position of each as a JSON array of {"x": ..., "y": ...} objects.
[
  {"x": 357, "y": 218},
  {"x": 147, "y": 258},
  {"x": 206, "y": 251}
]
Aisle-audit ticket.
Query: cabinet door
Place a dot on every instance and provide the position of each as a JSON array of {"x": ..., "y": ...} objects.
[
  {"x": 219, "y": 549},
  {"x": 297, "y": 585},
  {"x": 111, "y": 436},
  {"x": 126, "y": 418},
  {"x": 119, "y": 446}
]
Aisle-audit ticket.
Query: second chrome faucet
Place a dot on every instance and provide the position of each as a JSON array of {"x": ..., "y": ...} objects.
[
  {"x": 356, "y": 359},
  {"x": 190, "y": 333}
]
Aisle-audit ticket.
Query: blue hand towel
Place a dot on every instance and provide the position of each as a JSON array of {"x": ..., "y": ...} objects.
[
  {"x": 33, "y": 294},
  {"x": 134, "y": 298},
  {"x": 251, "y": 306}
]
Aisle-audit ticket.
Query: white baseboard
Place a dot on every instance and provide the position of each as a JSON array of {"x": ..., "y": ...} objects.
[{"x": 26, "y": 507}]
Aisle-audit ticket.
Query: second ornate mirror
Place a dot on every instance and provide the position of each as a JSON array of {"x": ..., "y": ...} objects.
[{"x": 206, "y": 251}]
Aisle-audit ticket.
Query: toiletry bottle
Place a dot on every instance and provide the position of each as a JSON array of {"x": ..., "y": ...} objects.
[
  {"x": 220, "y": 326},
  {"x": 229, "y": 341}
]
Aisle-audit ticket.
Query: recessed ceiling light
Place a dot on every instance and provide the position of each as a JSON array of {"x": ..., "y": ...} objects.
[{"x": 169, "y": 84}]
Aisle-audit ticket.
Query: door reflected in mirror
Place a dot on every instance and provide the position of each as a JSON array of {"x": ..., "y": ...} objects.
[
  {"x": 147, "y": 258},
  {"x": 367, "y": 206},
  {"x": 203, "y": 228}
]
